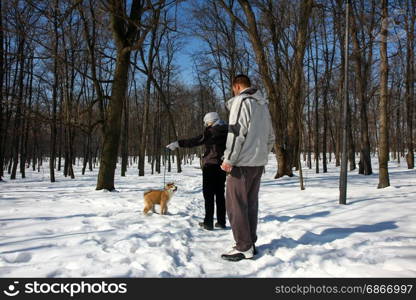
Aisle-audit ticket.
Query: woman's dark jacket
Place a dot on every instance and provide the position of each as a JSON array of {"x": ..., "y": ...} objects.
[{"x": 214, "y": 139}]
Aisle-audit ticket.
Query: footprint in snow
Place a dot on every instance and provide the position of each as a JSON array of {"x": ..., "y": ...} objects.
[{"x": 22, "y": 257}]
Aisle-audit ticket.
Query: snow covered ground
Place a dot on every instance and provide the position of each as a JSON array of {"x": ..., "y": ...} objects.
[{"x": 67, "y": 229}]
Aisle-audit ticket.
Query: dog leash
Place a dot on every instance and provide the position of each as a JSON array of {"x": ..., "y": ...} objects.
[{"x": 164, "y": 171}]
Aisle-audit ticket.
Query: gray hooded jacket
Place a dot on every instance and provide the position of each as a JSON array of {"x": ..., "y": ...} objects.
[{"x": 250, "y": 135}]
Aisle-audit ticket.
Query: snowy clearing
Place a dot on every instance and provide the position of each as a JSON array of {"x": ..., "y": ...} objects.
[{"x": 67, "y": 229}]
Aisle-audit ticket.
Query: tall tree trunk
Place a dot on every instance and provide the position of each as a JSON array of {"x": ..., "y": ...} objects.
[
  {"x": 383, "y": 146},
  {"x": 362, "y": 63},
  {"x": 309, "y": 126},
  {"x": 85, "y": 159},
  {"x": 59, "y": 138},
  {"x": 365, "y": 152},
  {"x": 158, "y": 135},
  {"x": 1, "y": 91},
  {"x": 35, "y": 148},
  {"x": 329, "y": 61},
  {"x": 398, "y": 133},
  {"x": 18, "y": 112},
  {"x": 351, "y": 142},
  {"x": 324, "y": 135},
  {"x": 125, "y": 138},
  {"x": 410, "y": 78},
  {"x": 111, "y": 141},
  {"x": 144, "y": 133},
  {"x": 295, "y": 93},
  {"x": 315, "y": 66},
  {"x": 52, "y": 148},
  {"x": 66, "y": 152},
  {"x": 70, "y": 149},
  {"x": 127, "y": 40},
  {"x": 25, "y": 136},
  {"x": 316, "y": 131}
]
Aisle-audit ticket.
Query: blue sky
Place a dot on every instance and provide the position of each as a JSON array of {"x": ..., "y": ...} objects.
[
  {"x": 191, "y": 44},
  {"x": 184, "y": 58}
]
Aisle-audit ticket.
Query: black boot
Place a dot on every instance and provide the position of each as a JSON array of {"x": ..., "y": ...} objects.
[
  {"x": 205, "y": 226},
  {"x": 218, "y": 225}
]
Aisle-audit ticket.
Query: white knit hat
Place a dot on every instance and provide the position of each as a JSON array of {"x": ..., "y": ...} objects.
[{"x": 211, "y": 117}]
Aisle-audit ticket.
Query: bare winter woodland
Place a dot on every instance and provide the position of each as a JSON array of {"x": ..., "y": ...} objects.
[{"x": 100, "y": 82}]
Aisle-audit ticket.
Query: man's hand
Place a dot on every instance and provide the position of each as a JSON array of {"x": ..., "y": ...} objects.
[
  {"x": 173, "y": 146},
  {"x": 226, "y": 167}
]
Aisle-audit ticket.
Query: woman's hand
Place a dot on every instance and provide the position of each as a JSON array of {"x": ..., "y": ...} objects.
[{"x": 173, "y": 146}]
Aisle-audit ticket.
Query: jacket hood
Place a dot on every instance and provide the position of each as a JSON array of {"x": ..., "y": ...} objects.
[{"x": 249, "y": 93}]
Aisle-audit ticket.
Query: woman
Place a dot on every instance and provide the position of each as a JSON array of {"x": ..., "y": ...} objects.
[{"x": 214, "y": 138}]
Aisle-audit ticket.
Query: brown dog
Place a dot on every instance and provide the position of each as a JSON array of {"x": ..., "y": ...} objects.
[{"x": 161, "y": 197}]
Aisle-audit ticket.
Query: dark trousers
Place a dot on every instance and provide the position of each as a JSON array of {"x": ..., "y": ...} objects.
[
  {"x": 213, "y": 179},
  {"x": 242, "y": 202}
]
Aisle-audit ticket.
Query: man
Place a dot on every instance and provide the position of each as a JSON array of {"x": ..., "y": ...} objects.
[
  {"x": 213, "y": 178},
  {"x": 249, "y": 142}
]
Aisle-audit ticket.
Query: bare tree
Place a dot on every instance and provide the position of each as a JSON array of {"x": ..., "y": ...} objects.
[
  {"x": 148, "y": 63},
  {"x": 362, "y": 26},
  {"x": 129, "y": 33},
  {"x": 1, "y": 90},
  {"x": 54, "y": 91},
  {"x": 287, "y": 145},
  {"x": 410, "y": 20},
  {"x": 225, "y": 50},
  {"x": 383, "y": 147},
  {"x": 20, "y": 22}
]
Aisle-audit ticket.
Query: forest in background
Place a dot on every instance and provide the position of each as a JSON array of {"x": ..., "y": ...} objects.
[{"x": 98, "y": 82}]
